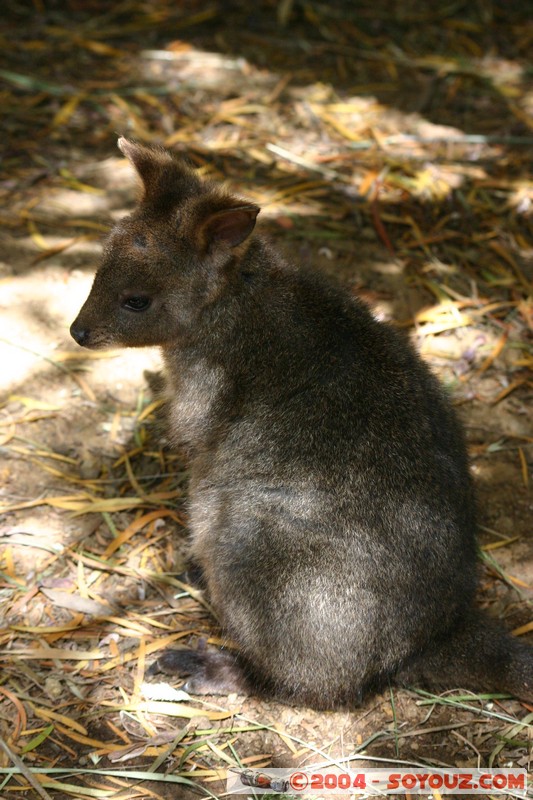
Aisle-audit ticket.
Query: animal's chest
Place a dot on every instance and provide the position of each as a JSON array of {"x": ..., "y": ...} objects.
[{"x": 195, "y": 399}]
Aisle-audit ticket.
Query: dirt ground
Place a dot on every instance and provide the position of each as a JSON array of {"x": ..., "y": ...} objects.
[{"x": 388, "y": 147}]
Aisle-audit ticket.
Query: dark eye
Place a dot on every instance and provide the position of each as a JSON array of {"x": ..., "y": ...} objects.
[{"x": 136, "y": 303}]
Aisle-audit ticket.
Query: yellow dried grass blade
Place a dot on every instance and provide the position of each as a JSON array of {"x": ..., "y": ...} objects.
[
  {"x": 497, "y": 545},
  {"x": 74, "y": 183},
  {"x": 31, "y": 403},
  {"x": 100, "y": 48},
  {"x": 37, "y": 238},
  {"x": 154, "y": 623},
  {"x": 55, "y": 249},
  {"x": 78, "y": 737},
  {"x": 524, "y": 467},
  {"x": 523, "y": 629},
  {"x": 135, "y": 527},
  {"x": 65, "y": 476},
  {"x": 64, "y": 502},
  {"x": 339, "y": 126},
  {"x": 44, "y": 630},
  {"x": 111, "y": 504},
  {"x": 500, "y": 344},
  {"x": 77, "y": 355},
  {"x": 72, "y": 790},
  {"x": 45, "y": 453},
  {"x": 133, "y": 480},
  {"x": 508, "y": 258},
  {"x": 48, "y": 653},
  {"x": 508, "y": 389},
  {"x": 84, "y": 386},
  {"x": 67, "y": 110},
  {"x": 433, "y": 328},
  {"x": 153, "y": 647},
  {"x": 130, "y": 625},
  {"x": 519, "y": 582},
  {"x": 149, "y": 409},
  {"x": 219, "y": 752},
  {"x": 101, "y": 227},
  {"x": 178, "y": 710},
  {"x": 46, "y": 714}
]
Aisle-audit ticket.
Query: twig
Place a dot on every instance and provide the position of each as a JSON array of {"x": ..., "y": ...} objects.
[
  {"x": 23, "y": 769},
  {"x": 303, "y": 162}
]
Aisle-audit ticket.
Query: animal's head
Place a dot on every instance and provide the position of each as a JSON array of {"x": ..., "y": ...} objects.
[{"x": 166, "y": 262}]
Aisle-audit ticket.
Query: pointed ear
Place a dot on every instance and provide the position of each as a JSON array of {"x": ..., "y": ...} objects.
[
  {"x": 149, "y": 162},
  {"x": 167, "y": 182},
  {"x": 229, "y": 226}
]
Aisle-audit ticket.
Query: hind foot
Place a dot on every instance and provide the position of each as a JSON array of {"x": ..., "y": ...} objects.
[{"x": 210, "y": 671}]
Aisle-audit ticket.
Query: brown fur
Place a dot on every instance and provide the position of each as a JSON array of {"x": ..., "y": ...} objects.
[{"x": 331, "y": 509}]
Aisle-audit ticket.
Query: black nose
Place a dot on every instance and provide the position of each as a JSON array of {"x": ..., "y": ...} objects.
[{"x": 79, "y": 333}]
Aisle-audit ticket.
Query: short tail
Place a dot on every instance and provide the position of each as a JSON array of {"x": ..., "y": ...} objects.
[{"x": 480, "y": 655}]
